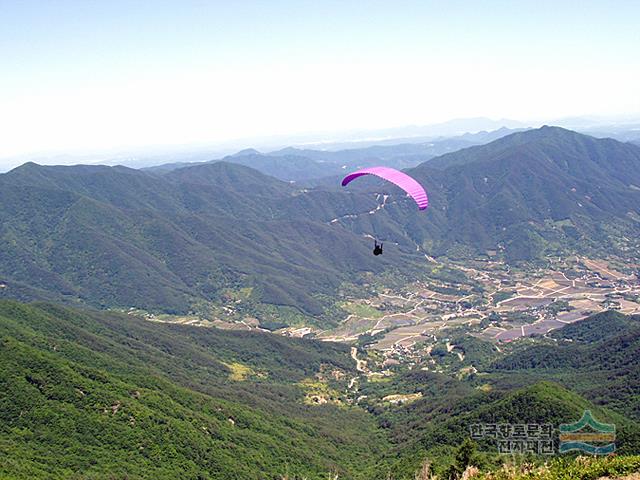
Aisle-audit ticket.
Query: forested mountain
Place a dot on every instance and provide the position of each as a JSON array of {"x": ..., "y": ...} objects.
[
  {"x": 598, "y": 357},
  {"x": 98, "y": 394},
  {"x": 114, "y": 236},
  {"x": 102, "y": 395},
  {"x": 530, "y": 194},
  {"x": 593, "y": 365},
  {"x": 119, "y": 237}
]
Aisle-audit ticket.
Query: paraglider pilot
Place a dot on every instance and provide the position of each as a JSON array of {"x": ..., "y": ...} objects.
[{"x": 402, "y": 180}]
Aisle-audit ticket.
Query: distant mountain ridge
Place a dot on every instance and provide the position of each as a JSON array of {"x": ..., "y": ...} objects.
[
  {"x": 302, "y": 164},
  {"x": 198, "y": 235}
]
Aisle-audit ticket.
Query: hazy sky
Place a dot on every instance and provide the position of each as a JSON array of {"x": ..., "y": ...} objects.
[{"x": 98, "y": 74}]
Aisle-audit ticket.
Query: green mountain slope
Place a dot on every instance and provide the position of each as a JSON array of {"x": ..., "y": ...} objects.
[
  {"x": 598, "y": 357},
  {"x": 93, "y": 394},
  {"x": 100, "y": 395},
  {"x": 194, "y": 237},
  {"x": 117, "y": 237},
  {"x": 434, "y": 426},
  {"x": 593, "y": 365},
  {"x": 541, "y": 192}
]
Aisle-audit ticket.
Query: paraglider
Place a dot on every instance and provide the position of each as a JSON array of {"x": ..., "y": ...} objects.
[{"x": 402, "y": 180}]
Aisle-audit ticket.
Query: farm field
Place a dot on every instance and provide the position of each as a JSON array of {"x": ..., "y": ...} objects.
[{"x": 493, "y": 302}]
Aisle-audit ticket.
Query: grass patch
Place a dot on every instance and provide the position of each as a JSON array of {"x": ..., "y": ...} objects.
[
  {"x": 362, "y": 310},
  {"x": 319, "y": 393},
  {"x": 239, "y": 372},
  {"x": 402, "y": 398},
  {"x": 585, "y": 468}
]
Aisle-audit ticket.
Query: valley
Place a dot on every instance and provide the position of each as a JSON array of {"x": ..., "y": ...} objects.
[{"x": 492, "y": 302}]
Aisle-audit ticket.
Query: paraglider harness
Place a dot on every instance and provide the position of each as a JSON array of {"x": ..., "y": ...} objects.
[{"x": 377, "y": 249}]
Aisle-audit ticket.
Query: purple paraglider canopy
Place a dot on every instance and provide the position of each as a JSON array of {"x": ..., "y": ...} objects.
[{"x": 400, "y": 179}]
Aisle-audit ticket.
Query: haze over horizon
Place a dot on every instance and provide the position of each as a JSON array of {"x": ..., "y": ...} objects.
[{"x": 94, "y": 77}]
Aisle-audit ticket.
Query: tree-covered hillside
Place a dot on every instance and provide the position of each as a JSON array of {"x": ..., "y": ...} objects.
[
  {"x": 598, "y": 357},
  {"x": 195, "y": 237},
  {"x": 99, "y": 395},
  {"x": 86, "y": 394},
  {"x": 591, "y": 366},
  {"x": 527, "y": 196},
  {"x": 117, "y": 237}
]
